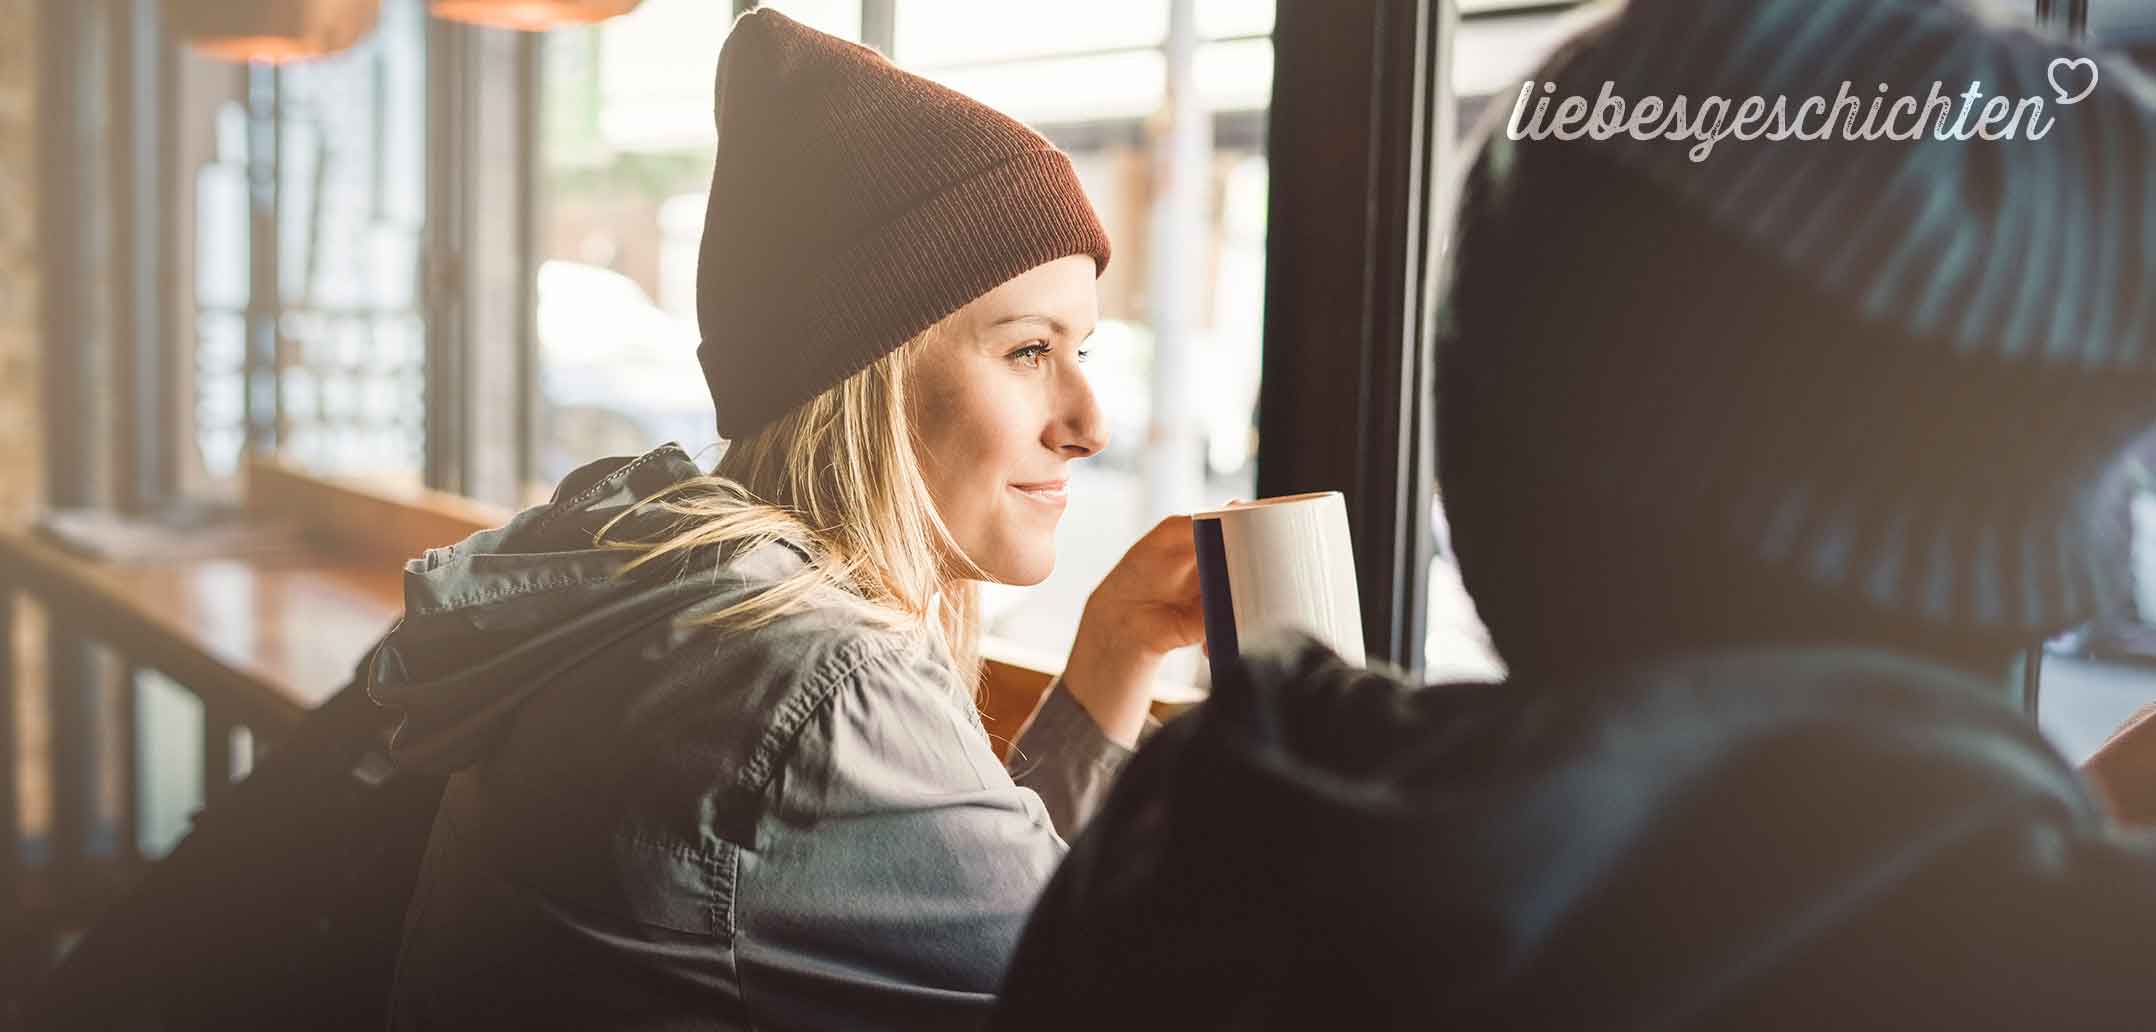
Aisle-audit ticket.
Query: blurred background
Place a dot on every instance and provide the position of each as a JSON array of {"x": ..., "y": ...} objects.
[{"x": 450, "y": 247}]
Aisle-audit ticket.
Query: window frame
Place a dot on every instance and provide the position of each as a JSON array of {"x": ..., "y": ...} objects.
[{"x": 480, "y": 267}]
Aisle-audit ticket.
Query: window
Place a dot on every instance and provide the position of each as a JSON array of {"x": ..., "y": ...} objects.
[
  {"x": 2094, "y": 678},
  {"x": 624, "y": 154},
  {"x": 626, "y": 137},
  {"x": 841, "y": 18},
  {"x": 2128, "y": 25},
  {"x": 310, "y": 211}
]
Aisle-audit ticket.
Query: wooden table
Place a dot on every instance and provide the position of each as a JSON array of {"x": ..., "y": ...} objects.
[{"x": 261, "y": 639}]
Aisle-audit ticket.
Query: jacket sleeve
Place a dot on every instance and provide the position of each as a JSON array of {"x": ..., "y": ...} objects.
[
  {"x": 1062, "y": 755},
  {"x": 896, "y": 864}
]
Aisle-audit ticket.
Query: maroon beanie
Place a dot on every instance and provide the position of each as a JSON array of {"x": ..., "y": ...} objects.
[{"x": 855, "y": 205}]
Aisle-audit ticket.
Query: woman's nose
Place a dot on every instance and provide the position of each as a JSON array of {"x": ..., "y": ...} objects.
[{"x": 1079, "y": 429}]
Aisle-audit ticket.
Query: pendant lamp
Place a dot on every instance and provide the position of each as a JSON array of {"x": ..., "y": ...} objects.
[
  {"x": 531, "y": 14},
  {"x": 270, "y": 31}
]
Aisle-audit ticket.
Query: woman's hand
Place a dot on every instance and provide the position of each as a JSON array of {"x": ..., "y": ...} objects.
[
  {"x": 2124, "y": 770},
  {"x": 1144, "y": 608}
]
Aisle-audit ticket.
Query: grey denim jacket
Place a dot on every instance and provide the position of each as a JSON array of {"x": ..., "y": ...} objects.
[{"x": 653, "y": 824}]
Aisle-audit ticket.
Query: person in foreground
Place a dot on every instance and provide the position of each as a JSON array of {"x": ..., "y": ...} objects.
[
  {"x": 1762, "y": 473},
  {"x": 715, "y": 752}
]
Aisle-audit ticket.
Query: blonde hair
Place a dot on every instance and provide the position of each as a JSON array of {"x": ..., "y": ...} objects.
[{"x": 841, "y": 474}]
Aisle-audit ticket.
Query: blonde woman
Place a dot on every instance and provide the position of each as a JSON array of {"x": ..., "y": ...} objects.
[{"x": 715, "y": 760}]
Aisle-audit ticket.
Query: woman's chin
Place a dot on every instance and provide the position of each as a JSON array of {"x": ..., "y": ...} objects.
[
  {"x": 1023, "y": 572},
  {"x": 1030, "y": 578}
]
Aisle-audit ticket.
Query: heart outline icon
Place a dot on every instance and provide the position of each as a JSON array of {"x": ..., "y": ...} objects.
[{"x": 2066, "y": 96}]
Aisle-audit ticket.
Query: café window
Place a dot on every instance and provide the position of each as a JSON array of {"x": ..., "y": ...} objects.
[{"x": 309, "y": 209}]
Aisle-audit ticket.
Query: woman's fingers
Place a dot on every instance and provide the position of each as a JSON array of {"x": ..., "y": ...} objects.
[
  {"x": 1172, "y": 533},
  {"x": 2124, "y": 769}
]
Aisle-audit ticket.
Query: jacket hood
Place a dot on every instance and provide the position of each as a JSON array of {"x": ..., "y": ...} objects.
[{"x": 492, "y": 620}]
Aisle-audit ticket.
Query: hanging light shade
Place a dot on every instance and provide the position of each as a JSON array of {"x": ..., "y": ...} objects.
[
  {"x": 270, "y": 31},
  {"x": 531, "y": 14}
]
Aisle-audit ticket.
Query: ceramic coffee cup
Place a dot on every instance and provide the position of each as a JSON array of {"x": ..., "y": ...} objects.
[{"x": 1277, "y": 565}]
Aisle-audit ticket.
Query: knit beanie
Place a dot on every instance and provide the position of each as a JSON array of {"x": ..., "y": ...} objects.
[
  {"x": 1924, "y": 399},
  {"x": 853, "y": 206}
]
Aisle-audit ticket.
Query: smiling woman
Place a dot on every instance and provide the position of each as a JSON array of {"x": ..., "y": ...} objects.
[{"x": 706, "y": 732}]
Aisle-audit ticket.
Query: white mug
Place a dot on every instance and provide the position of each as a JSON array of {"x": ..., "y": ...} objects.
[{"x": 1278, "y": 564}]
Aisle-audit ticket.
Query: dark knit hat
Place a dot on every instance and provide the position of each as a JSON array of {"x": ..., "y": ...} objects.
[
  {"x": 853, "y": 206},
  {"x": 1905, "y": 374}
]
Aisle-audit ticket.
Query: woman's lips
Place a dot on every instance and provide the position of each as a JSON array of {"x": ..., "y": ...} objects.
[{"x": 1047, "y": 492}]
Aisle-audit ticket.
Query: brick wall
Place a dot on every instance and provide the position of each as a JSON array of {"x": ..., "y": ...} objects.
[
  {"x": 21, "y": 457},
  {"x": 21, "y": 427}
]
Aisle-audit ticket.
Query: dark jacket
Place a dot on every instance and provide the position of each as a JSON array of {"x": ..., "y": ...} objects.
[
  {"x": 654, "y": 824},
  {"x": 1744, "y": 840}
]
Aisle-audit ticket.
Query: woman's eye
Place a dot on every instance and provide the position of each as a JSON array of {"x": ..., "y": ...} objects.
[
  {"x": 1084, "y": 353},
  {"x": 1031, "y": 355}
]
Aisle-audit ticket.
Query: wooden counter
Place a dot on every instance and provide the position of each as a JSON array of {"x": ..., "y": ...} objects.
[{"x": 264, "y": 637}]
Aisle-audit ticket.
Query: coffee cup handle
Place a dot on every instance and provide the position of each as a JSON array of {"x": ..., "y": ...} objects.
[{"x": 1205, "y": 647}]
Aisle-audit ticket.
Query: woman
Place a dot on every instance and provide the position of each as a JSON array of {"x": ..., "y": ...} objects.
[{"x": 716, "y": 761}]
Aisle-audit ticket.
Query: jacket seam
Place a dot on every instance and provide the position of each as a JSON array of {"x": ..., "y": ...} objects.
[
  {"x": 720, "y": 870},
  {"x": 795, "y": 712},
  {"x": 492, "y": 596},
  {"x": 671, "y": 847},
  {"x": 557, "y": 512},
  {"x": 595, "y": 489},
  {"x": 723, "y": 869},
  {"x": 736, "y": 945}
]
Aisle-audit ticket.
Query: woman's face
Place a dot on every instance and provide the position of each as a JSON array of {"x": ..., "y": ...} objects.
[{"x": 1001, "y": 408}]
